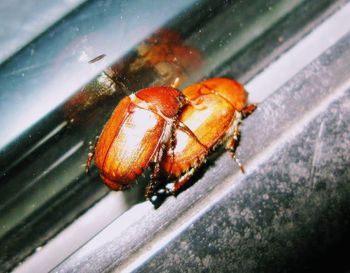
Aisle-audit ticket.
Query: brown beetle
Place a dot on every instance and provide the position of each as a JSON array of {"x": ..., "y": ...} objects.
[
  {"x": 214, "y": 114},
  {"x": 136, "y": 135}
]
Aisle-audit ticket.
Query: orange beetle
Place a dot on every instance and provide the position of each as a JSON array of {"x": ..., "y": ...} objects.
[
  {"x": 217, "y": 107},
  {"x": 136, "y": 135}
]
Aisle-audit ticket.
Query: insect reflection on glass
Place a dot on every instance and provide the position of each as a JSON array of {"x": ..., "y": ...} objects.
[{"x": 161, "y": 59}]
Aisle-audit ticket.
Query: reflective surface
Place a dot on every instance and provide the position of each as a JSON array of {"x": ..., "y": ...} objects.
[
  {"x": 50, "y": 120},
  {"x": 19, "y": 26},
  {"x": 43, "y": 152},
  {"x": 288, "y": 213}
]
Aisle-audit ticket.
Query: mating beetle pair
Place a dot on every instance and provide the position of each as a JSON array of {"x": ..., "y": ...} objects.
[{"x": 171, "y": 132}]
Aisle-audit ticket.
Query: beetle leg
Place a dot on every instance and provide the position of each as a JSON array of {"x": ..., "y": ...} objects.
[
  {"x": 171, "y": 150},
  {"x": 238, "y": 162},
  {"x": 153, "y": 185},
  {"x": 232, "y": 144},
  {"x": 153, "y": 192},
  {"x": 233, "y": 141},
  {"x": 246, "y": 111},
  {"x": 174, "y": 187}
]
